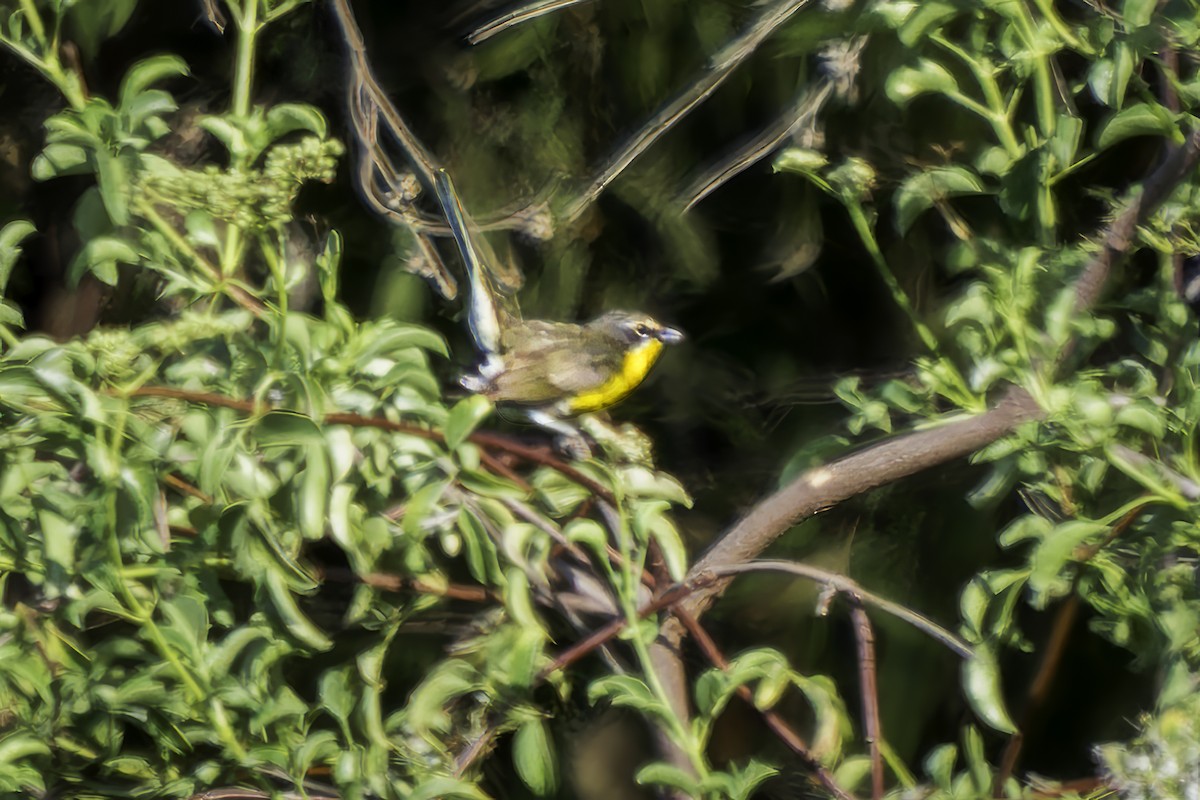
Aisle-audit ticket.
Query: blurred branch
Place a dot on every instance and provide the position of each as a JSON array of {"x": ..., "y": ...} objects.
[
  {"x": 517, "y": 16},
  {"x": 803, "y": 113},
  {"x": 840, "y": 67},
  {"x": 384, "y": 189},
  {"x": 720, "y": 67},
  {"x": 825, "y": 486}
]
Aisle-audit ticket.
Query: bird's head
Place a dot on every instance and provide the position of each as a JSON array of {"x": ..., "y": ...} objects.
[{"x": 635, "y": 329}]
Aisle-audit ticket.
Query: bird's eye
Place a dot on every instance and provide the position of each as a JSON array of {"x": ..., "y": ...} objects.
[{"x": 641, "y": 330}]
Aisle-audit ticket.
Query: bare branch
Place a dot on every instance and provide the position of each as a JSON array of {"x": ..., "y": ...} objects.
[
  {"x": 823, "y": 487},
  {"x": 843, "y": 585}
]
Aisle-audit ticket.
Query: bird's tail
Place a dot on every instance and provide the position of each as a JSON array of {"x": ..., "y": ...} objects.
[{"x": 484, "y": 312}]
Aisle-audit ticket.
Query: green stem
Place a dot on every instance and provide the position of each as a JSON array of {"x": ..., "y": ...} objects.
[
  {"x": 8, "y": 337},
  {"x": 683, "y": 735},
  {"x": 66, "y": 82},
  {"x": 629, "y": 586},
  {"x": 146, "y": 211},
  {"x": 36, "y": 27},
  {"x": 1061, "y": 28},
  {"x": 1043, "y": 83},
  {"x": 247, "y": 26},
  {"x": 863, "y": 227},
  {"x": 277, "y": 265},
  {"x": 994, "y": 111}
]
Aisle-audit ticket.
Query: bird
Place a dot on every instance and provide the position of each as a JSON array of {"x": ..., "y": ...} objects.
[{"x": 551, "y": 371}]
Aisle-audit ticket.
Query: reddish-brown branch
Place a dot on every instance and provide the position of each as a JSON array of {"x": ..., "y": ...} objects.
[
  {"x": 401, "y": 583},
  {"x": 180, "y": 485},
  {"x": 542, "y": 456},
  {"x": 868, "y": 685},
  {"x": 773, "y": 720},
  {"x": 1056, "y": 647}
]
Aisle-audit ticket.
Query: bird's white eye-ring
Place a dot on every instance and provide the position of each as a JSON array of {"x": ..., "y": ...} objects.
[{"x": 641, "y": 330}]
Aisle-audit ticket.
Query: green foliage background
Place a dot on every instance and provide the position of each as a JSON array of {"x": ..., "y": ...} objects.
[{"x": 236, "y": 495}]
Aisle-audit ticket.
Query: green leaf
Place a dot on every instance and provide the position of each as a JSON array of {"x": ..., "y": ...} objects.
[
  {"x": 288, "y": 428},
  {"x": 519, "y": 600},
  {"x": 297, "y": 624},
  {"x": 464, "y": 417},
  {"x": 928, "y": 15},
  {"x": 923, "y": 190},
  {"x": 113, "y": 179},
  {"x": 228, "y": 134},
  {"x": 535, "y": 759},
  {"x": 11, "y": 237},
  {"x": 285, "y": 118},
  {"x": 313, "y": 498},
  {"x": 981, "y": 683},
  {"x": 939, "y": 765},
  {"x": 17, "y": 746},
  {"x": 671, "y": 545},
  {"x": 907, "y": 83},
  {"x": 189, "y": 618},
  {"x": 625, "y": 690},
  {"x": 801, "y": 161},
  {"x": 663, "y": 774},
  {"x": 1142, "y": 119},
  {"x": 147, "y": 72},
  {"x": 337, "y": 697},
  {"x": 1056, "y": 550},
  {"x": 100, "y": 256},
  {"x": 642, "y": 482},
  {"x": 1137, "y": 13},
  {"x": 745, "y": 780},
  {"x": 1143, "y": 417},
  {"x": 1028, "y": 526},
  {"x": 58, "y": 159},
  {"x": 448, "y": 788},
  {"x": 390, "y": 338}
]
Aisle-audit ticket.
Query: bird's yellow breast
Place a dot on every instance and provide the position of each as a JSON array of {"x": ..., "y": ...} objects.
[{"x": 634, "y": 368}]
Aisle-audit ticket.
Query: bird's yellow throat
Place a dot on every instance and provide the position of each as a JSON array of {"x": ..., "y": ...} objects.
[{"x": 638, "y": 361}]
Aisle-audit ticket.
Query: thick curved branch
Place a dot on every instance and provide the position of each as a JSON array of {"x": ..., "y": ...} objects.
[{"x": 823, "y": 487}]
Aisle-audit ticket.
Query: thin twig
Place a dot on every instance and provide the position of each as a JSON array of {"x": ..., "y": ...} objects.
[
  {"x": 380, "y": 184},
  {"x": 843, "y": 585},
  {"x": 869, "y": 688},
  {"x": 610, "y": 630}
]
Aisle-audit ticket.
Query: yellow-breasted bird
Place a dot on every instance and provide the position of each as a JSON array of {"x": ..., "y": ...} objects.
[{"x": 552, "y": 370}]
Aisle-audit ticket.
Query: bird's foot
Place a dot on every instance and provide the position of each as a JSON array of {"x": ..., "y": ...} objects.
[
  {"x": 573, "y": 445},
  {"x": 624, "y": 444}
]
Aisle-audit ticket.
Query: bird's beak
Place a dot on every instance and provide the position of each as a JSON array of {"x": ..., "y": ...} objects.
[{"x": 670, "y": 336}]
